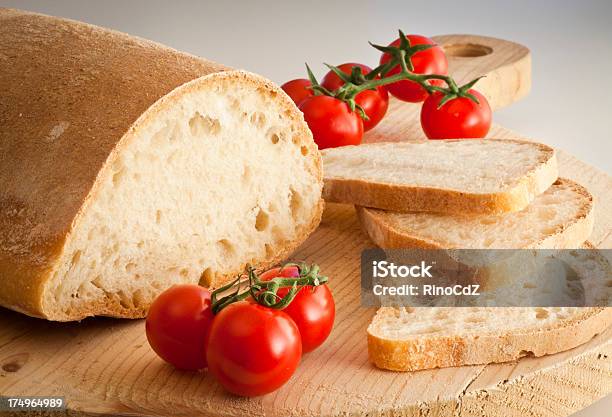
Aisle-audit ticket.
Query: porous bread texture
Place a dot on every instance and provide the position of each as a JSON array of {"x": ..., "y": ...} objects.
[
  {"x": 561, "y": 217},
  {"x": 127, "y": 166},
  {"x": 410, "y": 339},
  {"x": 445, "y": 176},
  {"x": 216, "y": 175},
  {"x": 571, "y": 278}
]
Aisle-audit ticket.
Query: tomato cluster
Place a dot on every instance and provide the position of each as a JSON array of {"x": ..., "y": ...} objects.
[
  {"x": 251, "y": 349},
  {"x": 429, "y": 61},
  {"x": 336, "y": 119}
]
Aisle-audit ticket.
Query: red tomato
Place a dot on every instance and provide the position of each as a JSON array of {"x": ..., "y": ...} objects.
[
  {"x": 252, "y": 349},
  {"x": 373, "y": 102},
  {"x": 283, "y": 272},
  {"x": 298, "y": 90},
  {"x": 332, "y": 82},
  {"x": 177, "y": 326},
  {"x": 430, "y": 61},
  {"x": 457, "y": 118},
  {"x": 332, "y": 122},
  {"x": 290, "y": 271},
  {"x": 313, "y": 308}
]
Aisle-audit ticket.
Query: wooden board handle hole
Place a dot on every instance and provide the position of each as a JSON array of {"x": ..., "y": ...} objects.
[{"x": 467, "y": 50}]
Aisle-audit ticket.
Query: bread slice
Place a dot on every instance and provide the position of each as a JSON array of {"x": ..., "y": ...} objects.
[
  {"x": 445, "y": 176},
  {"x": 126, "y": 167},
  {"x": 561, "y": 217},
  {"x": 572, "y": 278},
  {"x": 410, "y": 339}
]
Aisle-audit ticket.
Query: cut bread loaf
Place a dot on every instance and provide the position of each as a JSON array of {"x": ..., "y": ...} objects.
[
  {"x": 444, "y": 176},
  {"x": 561, "y": 217},
  {"x": 410, "y": 339},
  {"x": 126, "y": 167}
]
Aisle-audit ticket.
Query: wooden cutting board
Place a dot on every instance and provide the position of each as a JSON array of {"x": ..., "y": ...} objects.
[{"x": 105, "y": 366}]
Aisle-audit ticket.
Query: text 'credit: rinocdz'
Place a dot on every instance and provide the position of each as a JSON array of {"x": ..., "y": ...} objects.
[{"x": 486, "y": 277}]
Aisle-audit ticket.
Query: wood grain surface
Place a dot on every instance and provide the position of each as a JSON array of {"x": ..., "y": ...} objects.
[{"x": 105, "y": 366}]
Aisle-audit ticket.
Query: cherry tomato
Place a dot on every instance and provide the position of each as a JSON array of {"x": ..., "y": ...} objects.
[
  {"x": 429, "y": 61},
  {"x": 284, "y": 272},
  {"x": 457, "y": 118},
  {"x": 252, "y": 349},
  {"x": 298, "y": 90},
  {"x": 373, "y": 102},
  {"x": 289, "y": 271},
  {"x": 177, "y": 326},
  {"x": 313, "y": 308},
  {"x": 332, "y": 122}
]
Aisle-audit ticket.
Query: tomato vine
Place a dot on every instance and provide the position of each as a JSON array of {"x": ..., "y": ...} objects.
[
  {"x": 265, "y": 292},
  {"x": 357, "y": 82}
]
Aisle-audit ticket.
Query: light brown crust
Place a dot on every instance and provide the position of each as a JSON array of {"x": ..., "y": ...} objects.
[
  {"x": 569, "y": 235},
  {"x": 425, "y": 353},
  {"x": 443, "y": 351},
  {"x": 67, "y": 98},
  {"x": 406, "y": 198}
]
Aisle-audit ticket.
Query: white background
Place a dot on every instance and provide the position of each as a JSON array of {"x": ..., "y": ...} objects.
[{"x": 570, "y": 105}]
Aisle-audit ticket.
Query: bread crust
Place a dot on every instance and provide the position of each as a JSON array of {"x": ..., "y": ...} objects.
[
  {"x": 406, "y": 198},
  {"x": 444, "y": 351},
  {"x": 569, "y": 235},
  {"x": 79, "y": 93}
]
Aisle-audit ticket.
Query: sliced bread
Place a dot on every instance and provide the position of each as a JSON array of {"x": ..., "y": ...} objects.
[
  {"x": 561, "y": 217},
  {"x": 410, "y": 339},
  {"x": 569, "y": 278},
  {"x": 445, "y": 176},
  {"x": 127, "y": 167}
]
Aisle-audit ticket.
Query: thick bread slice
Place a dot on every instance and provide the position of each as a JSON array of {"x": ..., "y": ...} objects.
[
  {"x": 410, "y": 339},
  {"x": 561, "y": 217},
  {"x": 445, "y": 176},
  {"x": 126, "y": 167},
  {"x": 584, "y": 277}
]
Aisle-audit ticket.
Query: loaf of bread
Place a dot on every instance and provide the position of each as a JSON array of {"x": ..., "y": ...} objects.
[{"x": 126, "y": 167}]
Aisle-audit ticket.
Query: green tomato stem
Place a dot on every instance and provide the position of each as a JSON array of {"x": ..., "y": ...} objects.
[
  {"x": 378, "y": 76},
  {"x": 404, "y": 74},
  {"x": 265, "y": 292}
]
